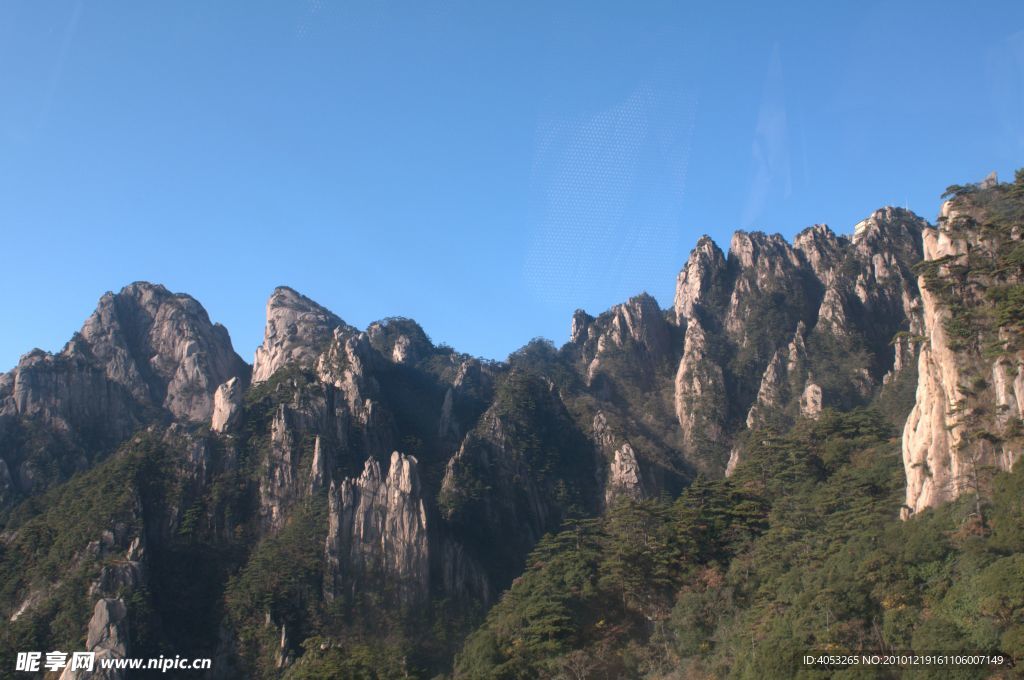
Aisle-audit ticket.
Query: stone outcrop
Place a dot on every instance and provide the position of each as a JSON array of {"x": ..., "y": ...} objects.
[
  {"x": 299, "y": 458},
  {"x": 702, "y": 281},
  {"x": 624, "y": 477},
  {"x": 821, "y": 249},
  {"x": 283, "y": 482},
  {"x": 162, "y": 348},
  {"x": 297, "y": 331},
  {"x": 768, "y": 275},
  {"x": 966, "y": 403},
  {"x": 700, "y": 396},
  {"x": 810, "y": 401},
  {"x": 377, "y": 532},
  {"x": 107, "y": 637},
  {"x": 319, "y": 469},
  {"x": 227, "y": 402},
  {"x": 448, "y": 424},
  {"x": 401, "y": 340},
  {"x": 348, "y": 364},
  {"x": 785, "y": 375},
  {"x": 886, "y": 246},
  {"x": 69, "y": 391},
  {"x": 637, "y": 327},
  {"x": 108, "y": 628},
  {"x": 120, "y": 577}
]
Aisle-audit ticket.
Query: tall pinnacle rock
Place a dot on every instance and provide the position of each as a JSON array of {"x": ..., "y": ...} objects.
[
  {"x": 701, "y": 280},
  {"x": 377, "y": 528}
]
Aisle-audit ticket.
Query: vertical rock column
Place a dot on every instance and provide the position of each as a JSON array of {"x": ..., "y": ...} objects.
[{"x": 377, "y": 532}]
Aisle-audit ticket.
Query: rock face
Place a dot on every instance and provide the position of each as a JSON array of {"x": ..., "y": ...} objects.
[
  {"x": 970, "y": 390},
  {"x": 108, "y": 628},
  {"x": 700, "y": 395},
  {"x": 227, "y": 401},
  {"x": 401, "y": 340},
  {"x": 350, "y": 364},
  {"x": 810, "y": 401},
  {"x": 144, "y": 352},
  {"x": 306, "y": 434},
  {"x": 107, "y": 637},
  {"x": 702, "y": 281},
  {"x": 782, "y": 379},
  {"x": 377, "y": 532},
  {"x": 624, "y": 477},
  {"x": 930, "y": 438},
  {"x": 145, "y": 347},
  {"x": 162, "y": 347},
  {"x": 278, "y": 485},
  {"x": 319, "y": 468},
  {"x": 775, "y": 331},
  {"x": 637, "y": 326},
  {"x": 297, "y": 331}
]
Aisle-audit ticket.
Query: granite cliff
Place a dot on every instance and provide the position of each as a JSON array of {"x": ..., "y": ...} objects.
[{"x": 966, "y": 420}]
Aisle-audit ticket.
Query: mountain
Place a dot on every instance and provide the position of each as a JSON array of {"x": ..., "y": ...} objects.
[
  {"x": 799, "y": 551},
  {"x": 144, "y": 356},
  {"x": 357, "y": 501}
]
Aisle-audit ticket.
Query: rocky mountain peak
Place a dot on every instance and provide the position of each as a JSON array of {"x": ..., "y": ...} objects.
[
  {"x": 821, "y": 248},
  {"x": 641, "y": 320},
  {"x": 401, "y": 340},
  {"x": 890, "y": 228},
  {"x": 743, "y": 355},
  {"x": 159, "y": 348},
  {"x": 297, "y": 331},
  {"x": 639, "y": 323},
  {"x": 705, "y": 268},
  {"x": 754, "y": 250},
  {"x": 580, "y": 326},
  {"x": 144, "y": 354}
]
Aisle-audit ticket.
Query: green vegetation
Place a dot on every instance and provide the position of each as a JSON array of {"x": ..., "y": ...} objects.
[
  {"x": 59, "y": 541},
  {"x": 280, "y": 584},
  {"x": 983, "y": 287},
  {"x": 801, "y": 549},
  {"x": 522, "y": 471}
]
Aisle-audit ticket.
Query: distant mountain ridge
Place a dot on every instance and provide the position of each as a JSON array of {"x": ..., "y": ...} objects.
[{"x": 405, "y": 475}]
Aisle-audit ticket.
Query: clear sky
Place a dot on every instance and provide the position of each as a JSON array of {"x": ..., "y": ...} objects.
[{"x": 482, "y": 167}]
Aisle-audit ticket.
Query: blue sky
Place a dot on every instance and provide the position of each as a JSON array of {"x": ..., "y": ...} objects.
[{"x": 482, "y": 167}]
